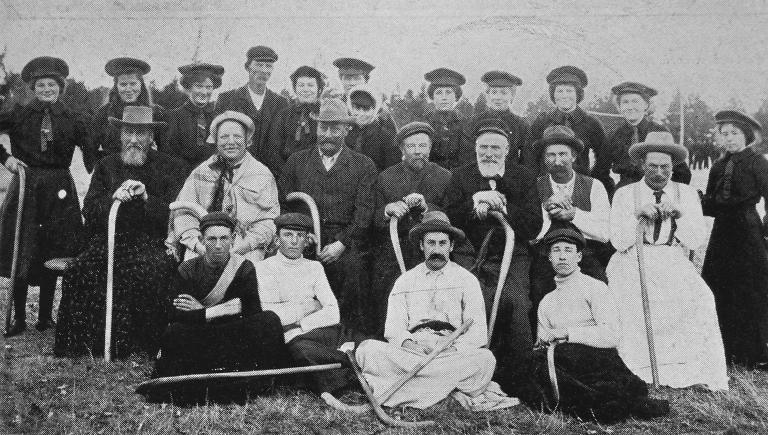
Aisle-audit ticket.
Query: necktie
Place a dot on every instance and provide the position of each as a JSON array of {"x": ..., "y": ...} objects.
[
  {"x": 568, "y": 123},
  {"x": 227, "y": 173},
  {"x": 303, "y": 124},
  {"x": 635, "y": 135},
  {"x": 657, "y": 223},
  {"x": 201, "y": 129},
  {"x": 46, "y": 130},
  {"x": 723, "y": 192}
]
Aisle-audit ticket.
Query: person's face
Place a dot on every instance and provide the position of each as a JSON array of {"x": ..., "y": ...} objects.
[
  {"x": 632, "y": 107},
  {"x": 558, "y": 159},
  {"x": 47, "y": 90},
  {"x": 330, "y": 136},
  {"x": 306, "y": 89},
  {"x": 416, "y": 148},
  {"x": 136, "y": 142},
  {"x": 564, "y": 257},
  {"x": 349, "y": 81},
  {"x": 217, "y": 241},
  {"x": 491, "y": 150},
  {"x": 732, "y": 138},
  {"x": 499, "y": 98},
  {"x": 129, "y": 87},
  {"x": 259, "y": 72},
  {"x": 444, "y": 98},
  {"x": 200, "y": 92},
  {"x": 291, "y": 243},
  {"x": 437, "y": 247},
  {"x": 230, "y": 141},
  {"x": 657, "y": 168},
  {"x": 565, "y": 97}
]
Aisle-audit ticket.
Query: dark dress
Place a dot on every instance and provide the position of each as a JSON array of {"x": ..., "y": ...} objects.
[
  {"x": 143, "y": 269},
  {"x": 106, "y": 137},
  {"x": 291, "y": 130},
  {"x": 451, "y": 144},
  {"x": 376, "y": 142},
  {"x": 517, "y": 128},
  {"x": 186, "y": 138},
  {"x": 736, "y": 263}
]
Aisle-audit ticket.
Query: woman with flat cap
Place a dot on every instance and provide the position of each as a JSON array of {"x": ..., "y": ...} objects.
[
  {"x": 188, "y": 124},
  {"x": 736, "y": 264},
  {"x": 451, "y": 144},
  {"x": 129, "y": 89},
  {"x": 43, "y": 135}
]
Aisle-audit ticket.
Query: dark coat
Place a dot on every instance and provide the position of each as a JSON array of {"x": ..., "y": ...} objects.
[
  {"x": 517, "y": 128},
  {"x": 292, "y": 130},
  {"x": 106, "y": 137},
  {"x": 376, "y": 142},
  {"x": 183, "y": 133},
  {"x": 240, "y": 100},
  {"x": 451, "y": 144}
]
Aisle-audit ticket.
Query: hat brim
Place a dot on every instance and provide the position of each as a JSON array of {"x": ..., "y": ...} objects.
[
  {"x": 418, "y": 231},
  {"x": 638, "y": 151},
  {"x": 119, "y": 123},
  {"x": 732, "y": 116},
  {"x": 542, "y": 144},
  {"x": 547, "y": 243}
]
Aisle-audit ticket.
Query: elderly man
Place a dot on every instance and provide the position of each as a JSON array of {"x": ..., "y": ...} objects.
[
  {"x": 145, "y": 182},
  {"x": 427, "y": 303},
  {"x": 254, "y": 99},
  {"x": 689, "y": 348},
  {"x": 356, "y": 72},
  {"x": 297, "y": 290},
  {"x": 493, "y": 183},
  {"x": 451, "y": 147},
  {"x": 404, "y": 191},
  {"x": 569, "y": 199},
  {"x": 340, "y": 181},
  {"x": 232, "y": 181}
]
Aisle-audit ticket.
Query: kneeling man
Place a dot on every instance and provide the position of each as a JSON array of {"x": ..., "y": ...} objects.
[{"x": 426, "y": 304}]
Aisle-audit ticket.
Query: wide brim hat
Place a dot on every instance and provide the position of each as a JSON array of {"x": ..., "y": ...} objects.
[
  {"x": 126, "y": 65},
  {"x": 567, "y": 74},
  {"x": 137, "y": 116},
  {"x": 201, "y": 71},
  {"x": 350, "y": 65},
  {"x": 434, "y": 221},
  {"x": 231, "y": 115},
  {"x": 737, "y": 117},
  {"x": 634, "y": 88},
  {"x": 45, "y": 66},
  {"x": 294, "y": 221},
  {"x": 566, "y": 234},
  {"x": 501, "y": 78},
  {"x": 333, "y": 110},
  {"x": 412, "y": 128},
  {"x": 260, "y": 53},
  {"x": 660, "y": 142},
  {"x": 561, "y": 135}
]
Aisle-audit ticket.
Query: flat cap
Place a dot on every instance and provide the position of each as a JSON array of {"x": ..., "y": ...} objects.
[
  {"x": 260, "y": 53},
  {"x": 501, "y": 78},
  {"x": 307, "y": 71},
  {"x": 634, "y": 88},
  {"x": 412, "y": 128},
  {"x": 491, "y": 125},
  {"x": 217, "y": 219},
  {"x": 126, "y": 65},
  {"x": 567, "y": 74},
  {"x": 201, "y": 71},
  {"x": 564, "y": 234},
  {"x": 444, "y": 77},
  {"x": 350, "y": 65},
  {"x": 44, "y": 66},
  {"x": 294, "y": 221}
]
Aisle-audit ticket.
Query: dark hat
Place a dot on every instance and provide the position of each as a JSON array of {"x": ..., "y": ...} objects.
[
  {"x": 45, "y": 66},
  {"x": 558, "y": 134},
  {"x": 199, "y": 71},
  {"x": 308, "y": 71},
  {"x": 332, "y": 110},
  {"x": 217, "y": 219},
  {"x": 434, "y": 221},
  {"x": 736, "y": 117},
  {"x": 126, "y": 65},
  {"x": 362, "y": 98},
  {"x": 634, "y": 88},
  {"x": 413, "y": 128},
  {"x": 137, "y": 116},
  {"x": 350, "y": 65},
  {"x": 501, "y": 78},
  {"x": 294, "y": 221},
  {"x": 231, "y": 115},
  {"x": 260, "y": 53},
  {"x": 660, "y": 142},
  {"x": 567, "y": 234},
  {"x": 444, "y": 77},
  {"x": 567, "y": 74},
  {"x": 491, "y": 125}
]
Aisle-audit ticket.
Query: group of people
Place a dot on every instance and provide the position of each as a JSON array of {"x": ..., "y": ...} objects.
[{"x": 218, "y": 264}]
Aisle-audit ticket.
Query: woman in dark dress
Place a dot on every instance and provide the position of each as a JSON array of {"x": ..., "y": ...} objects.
[
  {"x": 368, "y": 134},
  {"x": 451, "y": 146},
  {"x": 43, "y": 134},
  {"x": 736, "y": 264},
  {"x": 188, "y": 124}
]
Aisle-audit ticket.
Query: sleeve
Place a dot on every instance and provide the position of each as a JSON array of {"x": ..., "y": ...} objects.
[
  {"x": 525, "y": 132},
  {"x": 380, "y": 203},
  {"x": 544, "y": 327},
  {"x": 249, "y": 289},
  {"x": 98, "y": 129},
  {"x": 526, "y": 218},
  {"x": 82, "y": 132},
  {"x": 173, "y": 135},
  {"x": 185, "y": 224},
  {"x": 392, "y": 154},
  {"x": 473, "y": 308},
  {"x": 363, "y": 216},
  {"x": 605, "y": 332},
  {"x": 6, "y": 123},
  {"x": 760, "y": 172},
  {"x": 276, "y": 143},
  {"x": 691, "y": 227},
  {"x": 181, "y": 284},
  {"x": 623, "y": 221},
  {"x": 396, "y": 325},
  {"x": 603, "y": 160},
  {"x": 708, "y": 206},
  {"x": 262, "y": 230},
  {"x": 329, "y": 313},
  {"x": 595, "y": 223},
  {"x": 682, "y": 173},
  {"x": 161, "y": 134},
  {"x": 287, "y": 181},
  {"x": 98, "y": 199}
]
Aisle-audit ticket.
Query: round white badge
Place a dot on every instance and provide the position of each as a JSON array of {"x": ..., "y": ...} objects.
[{"x": 62, "y": 194}]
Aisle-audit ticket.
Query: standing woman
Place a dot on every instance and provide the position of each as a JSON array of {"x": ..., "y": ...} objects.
[
  {"x": 451, "y": 147},
  {"x": 736, "y": 264},
  {"x": 129, "y": 89},
  {"x": 43, "y": 134},
  {"x": 188, "y": 124}
]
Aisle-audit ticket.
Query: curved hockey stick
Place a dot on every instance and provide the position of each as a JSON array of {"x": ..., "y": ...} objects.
[
  {"x": 313, "y": 211},
  {"x": 110, "y": 278},
  {"x": 16, "y": 239}
]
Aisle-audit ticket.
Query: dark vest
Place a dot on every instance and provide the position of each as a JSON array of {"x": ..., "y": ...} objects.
[{"x": 582, "y": 190}]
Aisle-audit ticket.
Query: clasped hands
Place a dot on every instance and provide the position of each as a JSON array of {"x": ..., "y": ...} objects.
[
  {"x": 398, "y": 209},
  {"x": 560, "y": 207},
  {"x": 130, "y": 190},
  {"x": 426, "y": 340},
  {"x": 663, "y": 210},
  {"x": 488, "y": 200}
]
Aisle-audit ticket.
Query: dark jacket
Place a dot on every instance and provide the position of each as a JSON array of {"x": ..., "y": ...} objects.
[
  {"x": 106, "y": 137},
  {"x": 344, "y": 195},
  {"x": 292, "y": 130},
  {"x": 523, "y": 206},
  {"x": 451, "y": 145},
  {"x": 183, "y": 132},
  {"x": 240, "y": 100},
  {"x": 376, "y": 142},
  {"x": 22, "y": 124},
  {"x": 517, "y": 128}
]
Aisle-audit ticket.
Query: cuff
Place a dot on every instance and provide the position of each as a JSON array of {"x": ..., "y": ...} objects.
[{"x": 400, "y": 339}]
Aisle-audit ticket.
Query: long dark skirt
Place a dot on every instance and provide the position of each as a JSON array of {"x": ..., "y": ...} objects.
[
  {"x": 736, "y": 269},
  {"x": 142, "y": 275}
]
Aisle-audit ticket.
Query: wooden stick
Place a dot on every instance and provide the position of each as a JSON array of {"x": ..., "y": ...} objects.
[
  {"x": 16, "y": 238},
  {"x": 111, "y": 222},
  {"x": 506, "y": 260},
  {"x": 313, "y": 211},
  {"x": 395, "y": 238},
  {"x": 553, "y": 371},
  {"x": 639, "y": 236}
]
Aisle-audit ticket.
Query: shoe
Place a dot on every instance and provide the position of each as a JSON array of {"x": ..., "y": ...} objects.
[
  {"x": 648, "y": 408},
  {"x": 16, "y": 329},
  {"x": 42, "y": 325}
]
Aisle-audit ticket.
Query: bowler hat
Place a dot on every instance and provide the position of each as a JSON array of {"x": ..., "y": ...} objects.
[
  {"x": 217, "y": 219},
  {"x": 634, "y": 88},
  {"x": 294, "y": 221},
  {"x": 558, "y": 134},
  {"x": 567, "y": 74},
  {"x": 501, "y": 78},
  {"x": 231, "y": 115},
  {"x": 45, "y": 66},
  {"x": 564, "y": 234},
  {"x": 737, "y": 117},
  {"x": 260, "y": 53},
  {"x": 350, "y": 65},
  {"x": 660, "y": 142},
  {"x": 332, "y": 110},
  {"x": 201, "y": 71},
  {"x": 434, "y": 221},
  {"x": 126, "y": 65},
  {"x": 413, "y": 128},
  {"x": 137, "y": 116}
]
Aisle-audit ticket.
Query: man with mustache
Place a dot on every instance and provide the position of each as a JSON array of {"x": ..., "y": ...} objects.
[
  {"x": 569, "y": 199},
  {"x": 689, "y": 347},
  {"x": 232, "y": 181},
  {"x": 340, "y": 181},
  {"x": 492, "y": 183},
  {"x": 405, "y": 191},
  {"x": 427, "y": 303},
  {"x": 254, "y": 98},
  {"x": 145, "y": 181}
]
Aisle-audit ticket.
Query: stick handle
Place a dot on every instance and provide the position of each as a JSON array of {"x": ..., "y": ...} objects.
[
  {"x": 506, "y": 260},
  {"x": 16, "y": 238},
  {"x": 194, "y": 207},
  {"x": 639, "y": 242},
  {"x": 395, "y": 238},
  {"x": 313, "y": 211},
  {"x": 110, "y": 279}
]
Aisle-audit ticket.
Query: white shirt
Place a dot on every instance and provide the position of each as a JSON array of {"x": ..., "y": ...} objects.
[
  {"x": 328, "y": 162},
  {"x": 257, "y": 99},
  {"x": 594, "y": 224}
]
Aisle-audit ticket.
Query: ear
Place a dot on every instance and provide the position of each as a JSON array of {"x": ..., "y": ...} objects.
[{"x": 580, "y": 256}]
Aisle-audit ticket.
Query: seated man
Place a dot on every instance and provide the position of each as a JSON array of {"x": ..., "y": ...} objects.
[
  {"x": 427, "y": 303},
  {"x": 234, "y": 182},
  {"x": 217, "y": 321},
  {"x": 581, "y": 315}
]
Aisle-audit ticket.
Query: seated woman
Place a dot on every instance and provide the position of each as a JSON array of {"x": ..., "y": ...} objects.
[
  {"x": 217, "y": 321},
  {"x": 580, "y": 318}
]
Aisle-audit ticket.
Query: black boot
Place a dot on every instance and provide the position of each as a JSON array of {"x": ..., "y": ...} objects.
[
  {"x": 17, "y": 328},
  {"x": 47, "y": 293}
]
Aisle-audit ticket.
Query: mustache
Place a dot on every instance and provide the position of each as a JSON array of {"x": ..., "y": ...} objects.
[{"x": 437, "y": 256}]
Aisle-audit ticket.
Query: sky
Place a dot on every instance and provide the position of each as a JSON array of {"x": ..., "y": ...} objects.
[{"x": 714, "y": 48}]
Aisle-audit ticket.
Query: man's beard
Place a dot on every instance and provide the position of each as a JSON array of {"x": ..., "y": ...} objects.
[
  {"x": 134, "y": 156},
  {"x": 416, "y": 163},
  {"x": 325, "y": 146},
  {"x": 489, "y": 169}
]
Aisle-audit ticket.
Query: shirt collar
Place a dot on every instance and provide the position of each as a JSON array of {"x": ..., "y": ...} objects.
[
  {"x": 332, "y": 158},
  {"x": 576, "y": 115}
]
